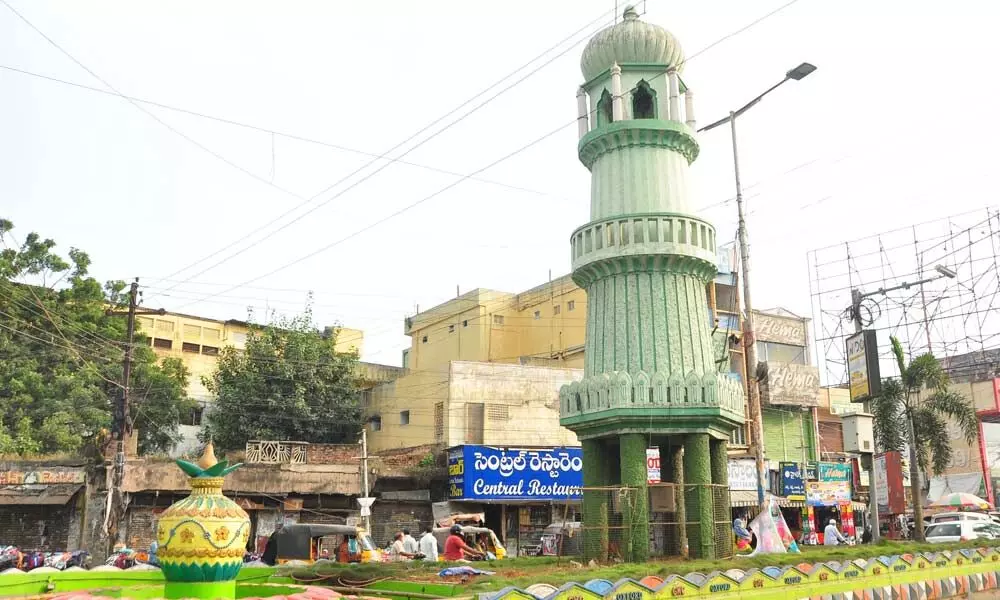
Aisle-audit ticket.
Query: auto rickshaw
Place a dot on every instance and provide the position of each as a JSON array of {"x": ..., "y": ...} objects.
[
  {"x": 481, "y": 538},
  {"x": 302, "y": 542}
]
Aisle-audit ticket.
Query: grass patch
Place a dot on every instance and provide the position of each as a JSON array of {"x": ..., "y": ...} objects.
[{"x": 522, "y": 572}]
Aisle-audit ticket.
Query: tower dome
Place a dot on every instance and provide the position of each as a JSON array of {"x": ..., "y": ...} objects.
[{"x": 631, "y": 41}]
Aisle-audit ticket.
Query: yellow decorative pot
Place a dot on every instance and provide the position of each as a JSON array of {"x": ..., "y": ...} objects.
[{"x": 202, "y": 538}]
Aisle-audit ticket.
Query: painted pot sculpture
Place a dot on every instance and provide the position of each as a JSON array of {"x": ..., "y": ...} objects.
[{"x": 203, "y": 537}]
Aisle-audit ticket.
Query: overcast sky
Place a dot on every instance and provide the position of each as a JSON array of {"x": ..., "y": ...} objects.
[{"x": 893, "y": 128}]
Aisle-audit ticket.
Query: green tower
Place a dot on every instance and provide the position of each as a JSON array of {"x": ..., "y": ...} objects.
[{"x": 645, "y": 260}]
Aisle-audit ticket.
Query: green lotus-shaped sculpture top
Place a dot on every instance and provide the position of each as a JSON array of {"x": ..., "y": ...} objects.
[{"x": 208, "y": 466}]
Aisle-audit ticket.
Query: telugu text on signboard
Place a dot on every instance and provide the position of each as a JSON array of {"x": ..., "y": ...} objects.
[
  {"x": 488, "y": 473},
  {"x": 792, "y": 486},
  {"x": 742, "y": 474},
  {"x": 789, "y": 384}
]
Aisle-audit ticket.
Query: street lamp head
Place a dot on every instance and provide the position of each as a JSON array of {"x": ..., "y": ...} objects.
[
  {"x": 945, "y": 271},
  {"x": 800, "y": 71}
]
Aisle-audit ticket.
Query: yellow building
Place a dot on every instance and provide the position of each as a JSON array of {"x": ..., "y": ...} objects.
[
  {"x": 537, "y": 335},
  {"x": 197, "y": 341},
  {"x": 543, "y": 326}
]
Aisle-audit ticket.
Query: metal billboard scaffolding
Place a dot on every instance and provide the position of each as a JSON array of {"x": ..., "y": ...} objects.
[{"x": 948, "y": 281}]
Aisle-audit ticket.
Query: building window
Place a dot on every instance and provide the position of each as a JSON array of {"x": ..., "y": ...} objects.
[
  {"x": 571, "y": 305},
  {"x": 781, "y": 353},
  {"x": 163, "y": 344},
  {"x": 538, "y": 314},
  {"x": 376, "y": 423},
  {"x": 239, "y": 339},
  {"x": 557, "y": 309},
  {"x": 498, "y": 319},
  {"x": 423, "y": 340},
  {"x": 465, "y": 323},
  {"x": 209, "y": 350},
  {"x": 404, "y": 417},
  {"x": 406, "y": 359},
  {"x": 451, "y": 329},
  {"x": 605, "y": 112},
  {"x": 189, "y": 347},
  {"x": 498, "y": 412},
  {"x": 643, "y": 101}
]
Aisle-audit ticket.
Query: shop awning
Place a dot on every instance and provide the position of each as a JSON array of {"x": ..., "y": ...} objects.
[
  {"x": 47, "y": 495},
  {"x": 742, "y": 498}
]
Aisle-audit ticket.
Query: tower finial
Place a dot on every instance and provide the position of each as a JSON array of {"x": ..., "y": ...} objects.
[
  {"x": 208, "y": 459},
  {"x": 630, "y": 14}
]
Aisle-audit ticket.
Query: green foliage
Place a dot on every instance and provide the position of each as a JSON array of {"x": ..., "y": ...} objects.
[
  {"x": 61, "y": 357},
  {"x": 288, "y": 383},
  {"x": 921, "y": 394}
]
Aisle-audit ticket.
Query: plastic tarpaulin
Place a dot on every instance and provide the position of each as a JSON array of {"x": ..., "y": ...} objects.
[
  {"x": 967, "y": 483},
  {"x": 773, "y": 534}
]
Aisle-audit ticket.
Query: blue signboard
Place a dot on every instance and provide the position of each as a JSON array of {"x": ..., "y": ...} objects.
[
  {"x": 487, "y": 473},
  {"x": 792, "y": 486}
]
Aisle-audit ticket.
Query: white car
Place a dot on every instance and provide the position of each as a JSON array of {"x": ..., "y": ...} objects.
[
  {"x": 950, "y": 517},
  {"x": 962, "y": 531}
]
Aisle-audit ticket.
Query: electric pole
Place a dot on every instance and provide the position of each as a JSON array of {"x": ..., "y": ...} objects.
[
  {"x": 855, "y": 313},
  {"x": 365, "y": 501},
  {"x": 856, "y": 298},
  {"x": 122, "y": 427}
]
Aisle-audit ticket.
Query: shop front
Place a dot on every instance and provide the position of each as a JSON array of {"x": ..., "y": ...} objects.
[
  {"x": 524, "y": 490},
  {"x": 42, "y": 509}
]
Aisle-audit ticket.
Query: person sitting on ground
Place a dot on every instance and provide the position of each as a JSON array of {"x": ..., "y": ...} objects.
[
  {"x": 455, "y": 548},
  {"x": 397, "y": 551}
]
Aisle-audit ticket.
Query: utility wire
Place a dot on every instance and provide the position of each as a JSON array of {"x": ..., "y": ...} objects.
[
  {"x": 481, "y": 169},
  {"x": 413, "y": 136},
  {"x": 275, "y": 132}
]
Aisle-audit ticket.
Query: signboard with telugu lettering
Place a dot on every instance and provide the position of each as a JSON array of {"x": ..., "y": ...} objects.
[
  {"x": 490, "y": 473},
  {"x": 792, "y": 485}
]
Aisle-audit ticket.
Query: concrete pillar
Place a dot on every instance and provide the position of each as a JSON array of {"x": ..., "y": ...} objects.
[
  {"x": 674, "y": 89},
  {"x": 617, "y": 101},
  {"x": 698, "y": 499},
  {"x": 595, "y": 502},
  {"x": 720, "y": 477},
  {"x": 677, "y": 477},
  {"x": 689, "y": 109},
  {"x": 635, "y": 512},
  {"x": 583, "y": 113}
]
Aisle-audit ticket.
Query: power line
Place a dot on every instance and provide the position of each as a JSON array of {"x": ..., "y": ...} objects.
[
  {"x": 275, "y": 132},
  {"x": 480, "y": 170},
  {"x": 393, "y": 149}
]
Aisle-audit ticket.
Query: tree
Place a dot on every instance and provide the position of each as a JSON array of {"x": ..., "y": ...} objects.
[
  {"x": 61, "y": 355},
  {"x": 288, "y": 383},
  {"x": 914, "y": 409}
]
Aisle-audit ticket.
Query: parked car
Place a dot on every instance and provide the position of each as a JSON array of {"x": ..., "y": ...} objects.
[
  {"x": 949, "y": 517},
  {"x": 962, "y": 531}
]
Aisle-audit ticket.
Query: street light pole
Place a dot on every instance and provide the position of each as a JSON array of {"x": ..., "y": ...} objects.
[{"x": 750, "y": 342}]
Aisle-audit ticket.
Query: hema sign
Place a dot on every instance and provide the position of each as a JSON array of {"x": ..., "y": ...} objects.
[{"x": 488, "y": 473}]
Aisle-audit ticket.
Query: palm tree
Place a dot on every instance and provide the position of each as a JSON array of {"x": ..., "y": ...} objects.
[{"x": 914, "y": 409}]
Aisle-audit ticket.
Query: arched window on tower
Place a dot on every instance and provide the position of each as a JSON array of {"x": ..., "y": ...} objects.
[
  {"x": 605, "y": 113},
  {"x": 643, "y": 101}
]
